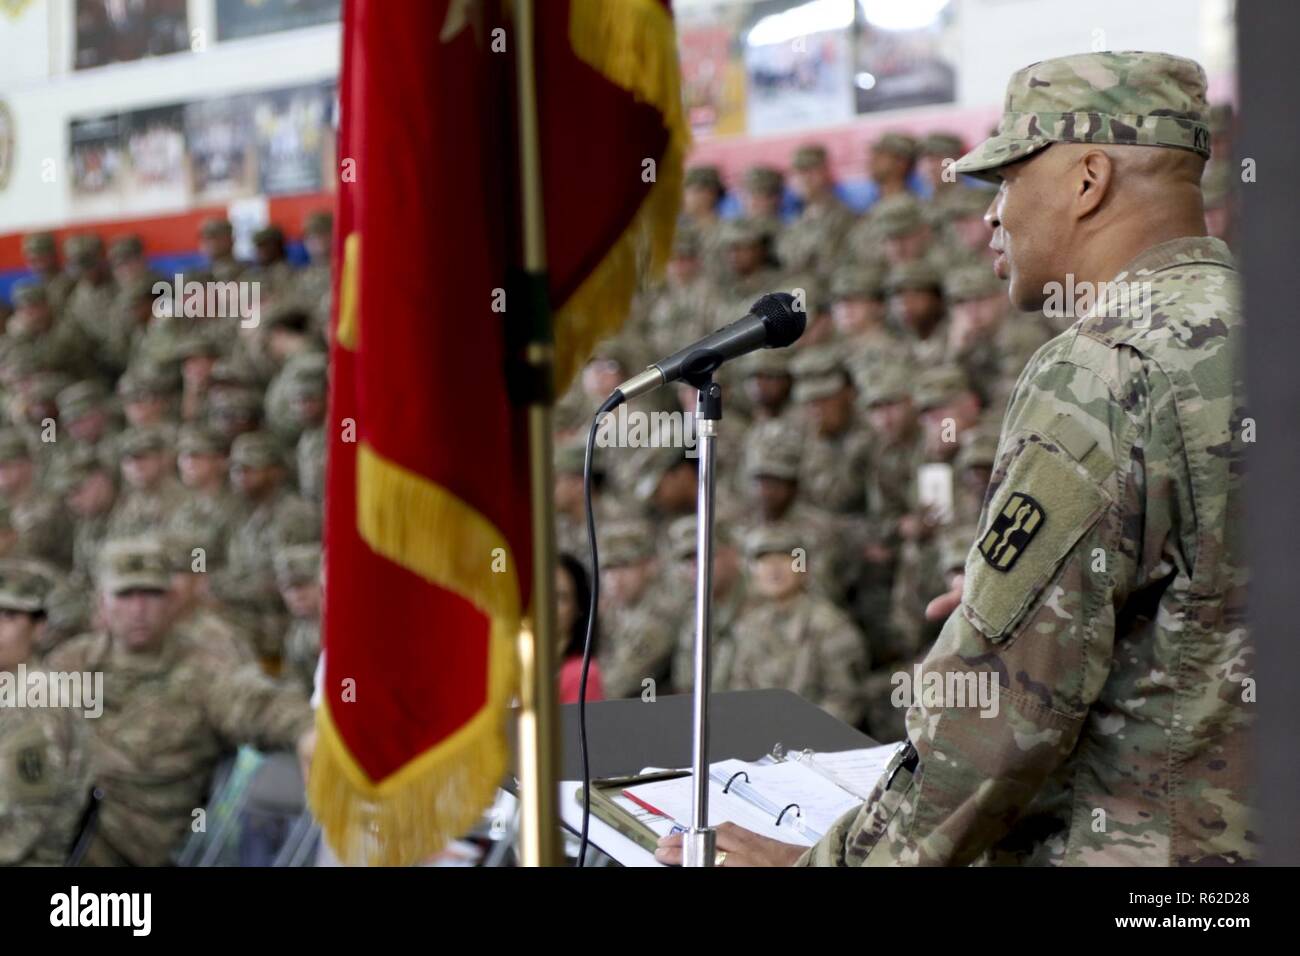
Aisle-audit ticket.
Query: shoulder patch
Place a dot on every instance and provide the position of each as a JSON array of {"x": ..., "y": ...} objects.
[{"x": 1011, "y": 531}]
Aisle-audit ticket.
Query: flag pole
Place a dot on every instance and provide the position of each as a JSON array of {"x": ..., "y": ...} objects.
[{"x": 538, "y": 737}]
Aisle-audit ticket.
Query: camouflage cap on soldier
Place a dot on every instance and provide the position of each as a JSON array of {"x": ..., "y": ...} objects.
[
  {"x": 625, "y": 542},
  {"x": 681, "y": 537},
  {"x": 1125, "y": 98},
  {"x": 938, "y": 385},
  {"x": 39, "y": 244},
  {"x": 809, "y": 156},
  {"x": 25, "y": 585},
  {"x": 775, "y": 451},
  {"x": 887, "y": 382},
  {"x": 774, "y": 362},
  {"x": 818, "y": 373},
  {"x": 147, "y": 381},
  {"x": 652, "y": 464},
  {"x": 235, "y": 404},
  {"x": 195, "y": 438},
  {"x": 778, "y": 537},
  {"x": 900, "y": 144},
  {"x": 297, "y": 564},
  {"x": 13, "y": 446},
  {"x": 215, "y": 228},
  {"x": 897, "y": 216},
  {"x": 978, "y": 448},
  {"x": 28, "y": 292},
  {"x": 917, "y": 274},
  {"x": 857, "y": 282},
  {"x": 233, "y": 372},
  {"x": 82, "y": 398},
  {"x": 764, "y": 180},
  {"x": 134, "y": 564},
  {"x": 256, "y": 450},
  {"x": 301, "y": 387},
  {"x": 972, "y": 282},
  {"x": 706, "y": 176},
  {"x": 194, "y": 346},
  {"x": 270, "y": 233},
  {"x": 318, "y": 222},
  {"x": 938, "y": 143},
  {"x": 142, "y": 440},
  {"x": 125, "y": 247},
  {"x": 740, "y": 232},
  {"x": 70, "y": 470}
]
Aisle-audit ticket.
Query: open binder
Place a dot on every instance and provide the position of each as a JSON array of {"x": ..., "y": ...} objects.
[{"x": 794, "y": 798}]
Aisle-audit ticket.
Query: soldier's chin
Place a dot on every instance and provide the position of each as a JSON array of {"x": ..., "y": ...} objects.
[{"x": 1026, "y": 296}]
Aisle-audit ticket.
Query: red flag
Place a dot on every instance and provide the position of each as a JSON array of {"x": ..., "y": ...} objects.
[{"x": 427, "y": 524}]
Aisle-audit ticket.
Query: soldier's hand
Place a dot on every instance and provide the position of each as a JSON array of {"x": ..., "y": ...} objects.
[
  {"x": 742, "y": 848},
  {"x": 945, "y": 604}
]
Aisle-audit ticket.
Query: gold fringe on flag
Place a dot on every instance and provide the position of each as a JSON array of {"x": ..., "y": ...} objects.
[
  {"x": 633, "y": 44},
  {"x": 438, "y": 796}
]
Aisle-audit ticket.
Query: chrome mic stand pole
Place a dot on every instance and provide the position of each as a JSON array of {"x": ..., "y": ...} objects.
[{"x": 699, "y": 843}]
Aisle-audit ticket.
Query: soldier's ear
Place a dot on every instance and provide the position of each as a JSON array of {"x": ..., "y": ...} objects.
[{"x": 1095, "y": 173}]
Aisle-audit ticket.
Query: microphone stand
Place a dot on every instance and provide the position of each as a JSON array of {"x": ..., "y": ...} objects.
[{"x": 700, "y": 842}]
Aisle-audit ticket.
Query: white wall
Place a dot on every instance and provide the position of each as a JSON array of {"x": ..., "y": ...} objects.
[{"x": 43, "y": 98}]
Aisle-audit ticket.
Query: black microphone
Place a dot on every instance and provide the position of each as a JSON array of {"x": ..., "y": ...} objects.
[{"x": 772, "y": 323}]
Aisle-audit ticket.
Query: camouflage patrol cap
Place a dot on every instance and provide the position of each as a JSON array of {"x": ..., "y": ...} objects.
[
  {"x": 818, "y": 373},
  {"x": 25, "y": 585},
  {"x": 652, "y": 465},
  {"x": 125, "y": 247},
  {"x": 706, "y": 176},
  {"x": 193, "y": 346},
  {"x": 972, "y": 282},
  {"x": 39, "y": 244},
  {"x": 230, "y": 371},
  {"x": 134, "y": 564},
  {"x": 681, "y": 537},
  {"x": 900, "y": 144},
  {"x": 319, "y": 222},
  {"x": 897, "y": 216},
  {"x": 808, "y": 156},
  {"x": 271, "y": 233},
  {"x": 82, "y": 398},
  {"x": 147, "y": 381},
  {"x": 774, "y": 362},
  {"x": 979, "y": 448},
  {"x": 215, "y": 228},
  {"x": 857, "y": 282},
  {"x": 68, "y": 471},
  {"x": 198, "y": 439},
  {"x": 238, "y": 403},
  {"x": 29, "y": 292},
  {"x": 286, "y": 314},
  {"x": 297, "y": 564},
  {"x": 13, "y": 446},
  {"x": 917, "y": 274},
  {"x": 779, "y": 537},
  {"x": 940, "y": 143},
  {"x": 1126, "y": 98},
  {"x": 764, "y": 180},
  {"x": 775, "y": 451},
  {"x": 887, "y": 382},
  {"x": 304, "y": 387},
  {"x": 625, "y": 542},
  {"x": 256, "y": 450},
  {"x": 740, "y": 232},
  {"x": 142, "y": 440},
  {"x": 938, "y": 385}
]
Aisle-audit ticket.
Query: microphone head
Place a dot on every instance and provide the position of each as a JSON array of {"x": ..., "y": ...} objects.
[{"x": 781, "y": 320}]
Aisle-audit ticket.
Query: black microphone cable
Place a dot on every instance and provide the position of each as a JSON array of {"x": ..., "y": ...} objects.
[{"x": 606, "y": 406}]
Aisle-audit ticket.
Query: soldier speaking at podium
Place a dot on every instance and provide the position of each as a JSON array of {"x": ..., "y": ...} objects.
[{"x": 1105, "y": 591}]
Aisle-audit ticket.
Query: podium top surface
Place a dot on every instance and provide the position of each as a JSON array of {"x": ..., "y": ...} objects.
[{"x": 624, "y": 736}]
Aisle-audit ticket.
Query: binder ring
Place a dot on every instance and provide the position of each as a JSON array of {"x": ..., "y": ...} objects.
[
  {"x": 794, "y": 806},
  {"x": 738, "y": 773}
]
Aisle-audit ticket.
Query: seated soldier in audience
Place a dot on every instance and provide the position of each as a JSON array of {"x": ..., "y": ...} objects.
[
  {"x": 41, "y": 256},
  {"x": 151, "y": 492},
  {"x": 178, "y": 707},
  {"x": 44, "y": 531},
  {"x": 836, "y": 448},
  {"x": 638, "y": 629},
  {"x": 44, "y": 763},
  {"x": 791, "y": 638},
  {"x": 916, "y": 300},
  {"x": 298, "y": 575},
  {"x": 730, "y": 594}
]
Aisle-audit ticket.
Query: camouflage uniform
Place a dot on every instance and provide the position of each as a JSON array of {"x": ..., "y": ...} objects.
[
  {"x": 724, "y": 613},
  {"x": 44, "y": 770},
  {"x": 294, "y": 565},
  {"x": 170, "y": 717},
  {"x": 933, "y": 349},
  {"x": 44, "y": 531},
  {"x": 636, "y": 640},
  {"x": 1123, "y": 693},
  {"x": 812, "y": 243},
  {"x": 58, "y": 285},
  {"x": 144, "y": 510},
  {"x": 801, "y": 643},
  {"x": 834, "y": 469}
]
